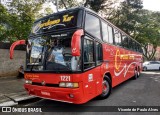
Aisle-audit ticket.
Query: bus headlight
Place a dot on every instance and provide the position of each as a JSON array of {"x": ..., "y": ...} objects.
[
  {"x": 69, "y": 85},
  {"x": 28, "y": 82},
  {"x": 62, "y": 84}
]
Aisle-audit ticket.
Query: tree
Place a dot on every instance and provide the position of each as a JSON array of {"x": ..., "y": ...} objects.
[
  {"x": 142, "y": 25},
  {"x": 69, "y": 3},
  {"x": 148, "y": 32},
  {"x": 126, "y": 16},
  {"x": 3, "y": 21},
  {"x": 19, "y": 19}
]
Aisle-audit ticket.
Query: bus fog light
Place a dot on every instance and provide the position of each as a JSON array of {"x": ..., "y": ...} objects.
[
  {"x": 62, "y": 84},
  {"x": 28, "y": 82},
  {"x": 71, "y": 95}
]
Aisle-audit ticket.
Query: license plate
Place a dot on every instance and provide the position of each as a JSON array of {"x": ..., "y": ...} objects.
[{"x": 45, "y": 93}]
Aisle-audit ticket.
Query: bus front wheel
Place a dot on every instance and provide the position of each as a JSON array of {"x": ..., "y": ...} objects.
[{"x": 106, "y": 88}]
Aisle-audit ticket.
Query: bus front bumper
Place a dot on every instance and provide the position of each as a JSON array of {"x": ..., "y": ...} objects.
[{"x": 69, "y": 95}]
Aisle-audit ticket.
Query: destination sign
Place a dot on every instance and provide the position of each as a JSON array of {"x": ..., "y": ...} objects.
[{"x": 54, "y": 22}]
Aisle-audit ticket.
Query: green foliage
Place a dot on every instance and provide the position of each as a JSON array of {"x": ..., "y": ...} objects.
[
  {"x": 142, "y": 25},
  {"x": 3, "y": 20},
  {"x": 68, "y": 4},
  {"x": 16, "y": 23}
]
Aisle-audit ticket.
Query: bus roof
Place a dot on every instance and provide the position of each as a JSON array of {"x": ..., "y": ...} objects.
[{"x": 89, "y": 10}]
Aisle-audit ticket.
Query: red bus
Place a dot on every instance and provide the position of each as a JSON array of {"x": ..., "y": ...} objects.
[{"x": 75, "y": 55}]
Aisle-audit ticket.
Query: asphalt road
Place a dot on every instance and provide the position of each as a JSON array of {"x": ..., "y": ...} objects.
[{"x": 145, "y": 91}]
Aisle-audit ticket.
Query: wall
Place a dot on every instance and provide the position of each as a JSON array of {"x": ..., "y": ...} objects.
[{"x": 9, "y": 67}]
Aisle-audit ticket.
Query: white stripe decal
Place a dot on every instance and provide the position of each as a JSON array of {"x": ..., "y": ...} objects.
[
  {"x": 117, "y": 74},
  {"x": 125, "y": 69}
]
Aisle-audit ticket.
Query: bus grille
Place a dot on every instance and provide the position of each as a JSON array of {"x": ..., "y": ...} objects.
[{"x": 47, "y": 84}]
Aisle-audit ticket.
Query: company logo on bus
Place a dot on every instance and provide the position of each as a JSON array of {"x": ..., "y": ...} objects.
[
  {"x": 117, "y": 60},
  {"x": 31, "y": 76},
  {"x": 74, "y": 50},
  {"x": 119, "y": 68},
  {"x": 43, "y": 83}
]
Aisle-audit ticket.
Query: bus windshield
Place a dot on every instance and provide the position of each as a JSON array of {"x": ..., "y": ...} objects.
[{"x": 52, "y": 53}]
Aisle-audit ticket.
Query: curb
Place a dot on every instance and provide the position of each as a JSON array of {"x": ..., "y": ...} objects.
[
  {"x": 12, "y": 103},
  {"x": 8, "y": 103}
]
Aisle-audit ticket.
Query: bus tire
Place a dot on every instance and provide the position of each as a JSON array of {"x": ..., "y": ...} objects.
[
  {"x": 106, "y": 88},
  {"x": 139, "y": 73},
  {"x": 136, "y": 74}
]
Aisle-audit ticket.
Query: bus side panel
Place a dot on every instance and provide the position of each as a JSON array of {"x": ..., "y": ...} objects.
[
  {"x": 92, "y": 83},
  {"x": 121, "y": 63}
]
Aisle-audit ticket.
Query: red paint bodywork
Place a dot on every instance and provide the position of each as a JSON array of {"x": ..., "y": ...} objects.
[
  {"x": 19, "y": 42},
  {"x": 119, "y": 63},
  {"x": 81, "y": 94},
  {"x": 76, "y": 42},
  {"x": 87, "y": 89}
]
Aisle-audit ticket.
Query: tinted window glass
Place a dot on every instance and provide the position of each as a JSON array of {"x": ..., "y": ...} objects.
[
  {"x": 124, "y": 41},
  {"x": 140, "y": 48},
  {"x": 117, "y": 37},
  {"x": 154, "y": 62},
  {"x": 88, "y": 53},
  {"x": 110, "y": 39},
  {"x": 105, "y": 31},
  {"x": 99, "y": 56},
  {"x": 131, "y": 44},
  {"x": 135, "y": 46},
  {"x": 92, "y": 25}
]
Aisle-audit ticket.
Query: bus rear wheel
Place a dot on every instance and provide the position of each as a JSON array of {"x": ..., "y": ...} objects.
[
  {"x": 106, "y": 88},
  {"x": 136, "y": 73}
]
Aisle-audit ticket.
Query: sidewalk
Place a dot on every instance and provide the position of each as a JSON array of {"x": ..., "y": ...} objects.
[{"x": 12, "y": 91}]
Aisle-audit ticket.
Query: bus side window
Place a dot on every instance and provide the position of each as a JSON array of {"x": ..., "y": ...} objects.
[
  {"x": 136, "y": 46},
  {"x": 131, "y": 45},
  {"x": 110, "y": 30},
  {"x": 105, "y": 31},
  {"x": 92, "y": 25},
  {"x": 124, "y": 41},
  {"x": 88, "y": 54},
  {"x": 140, "y": 48},
  {"x": 99, "y": 56},
  {"x": 117, "y": 37}
]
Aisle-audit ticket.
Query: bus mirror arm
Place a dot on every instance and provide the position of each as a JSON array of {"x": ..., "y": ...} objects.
[
  {"x": 19, "y": 42},
  {"x": 76, "y": 42}
]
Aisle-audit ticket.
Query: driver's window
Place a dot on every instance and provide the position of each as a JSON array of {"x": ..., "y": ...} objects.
[{"x": 88, "y": 54}]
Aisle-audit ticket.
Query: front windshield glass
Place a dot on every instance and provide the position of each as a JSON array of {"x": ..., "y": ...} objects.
[
  {"x": 59, "y": 55},
  {"x": 35, "y": 52},
  {"x": 53, "y": 53}
]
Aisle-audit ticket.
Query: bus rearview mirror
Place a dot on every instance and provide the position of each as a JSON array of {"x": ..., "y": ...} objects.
[
  {"x": 76, "y": 42},
  {"x": 19, "y": 42}
]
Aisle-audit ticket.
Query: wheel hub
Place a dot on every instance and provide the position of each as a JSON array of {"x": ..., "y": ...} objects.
[{"x": 105, "y": 87}]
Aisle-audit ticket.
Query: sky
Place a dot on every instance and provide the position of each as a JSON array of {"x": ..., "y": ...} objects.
[{"x": 153, "y": 5}]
